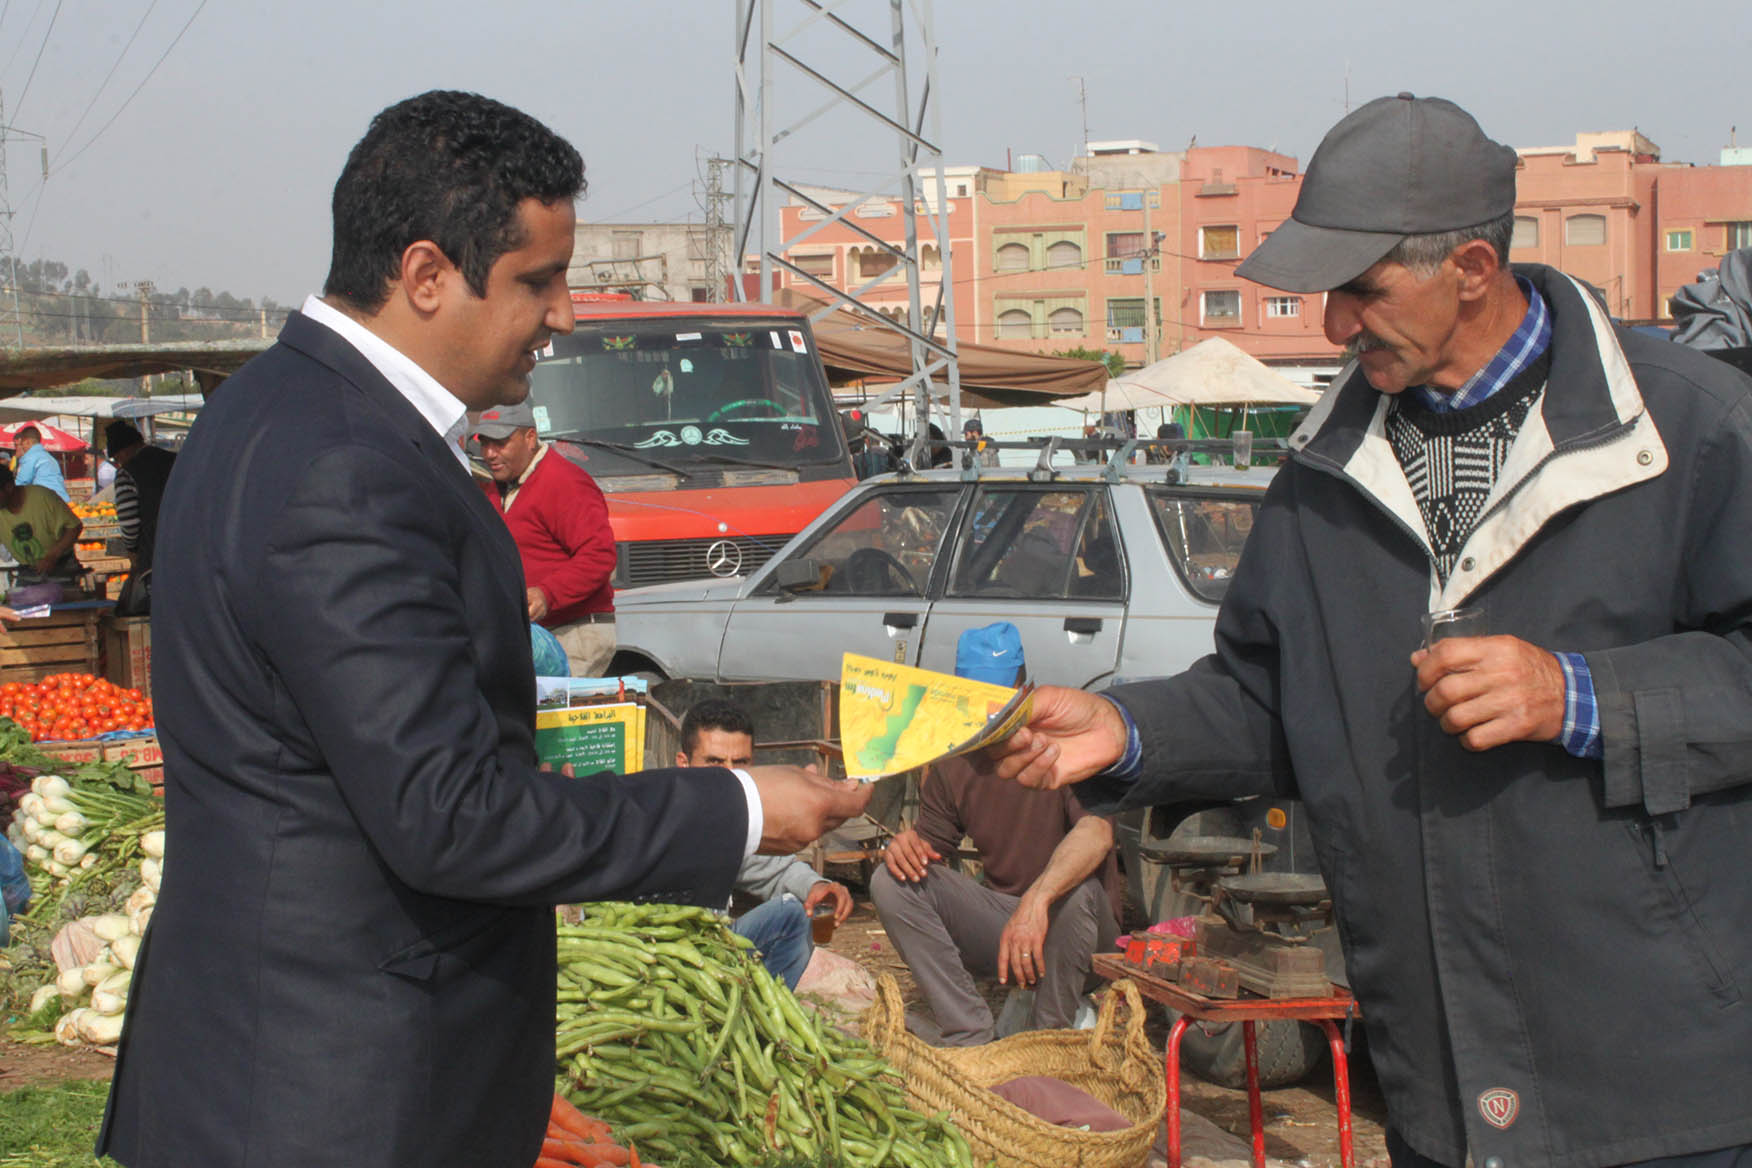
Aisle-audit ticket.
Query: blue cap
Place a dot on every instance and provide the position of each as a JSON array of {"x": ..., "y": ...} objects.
[{"x": 990, "y": 653}]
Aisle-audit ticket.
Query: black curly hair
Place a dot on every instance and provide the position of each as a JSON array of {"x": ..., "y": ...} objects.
[
  {"x": 446, "y": 166},
  {"x": 713, "y": 714}
]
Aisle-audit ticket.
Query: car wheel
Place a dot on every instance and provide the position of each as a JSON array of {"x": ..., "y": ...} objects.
[{"x": 1288, "y": 1051}]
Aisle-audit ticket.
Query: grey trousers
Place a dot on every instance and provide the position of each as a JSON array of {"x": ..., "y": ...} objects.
[{"x": 946, "y": 928}]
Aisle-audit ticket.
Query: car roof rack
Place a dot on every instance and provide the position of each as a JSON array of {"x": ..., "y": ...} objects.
[{"x": 1116, "y": 468}]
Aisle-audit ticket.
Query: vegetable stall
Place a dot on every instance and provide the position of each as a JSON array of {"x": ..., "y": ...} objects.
[{"x": 673, "y": 1043}]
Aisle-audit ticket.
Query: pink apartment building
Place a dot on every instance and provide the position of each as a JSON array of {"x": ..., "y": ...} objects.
[{"x": 1046, "y": 260}]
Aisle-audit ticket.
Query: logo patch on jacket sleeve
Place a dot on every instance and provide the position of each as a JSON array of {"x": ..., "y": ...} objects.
[{"x": 1499, "y": 1106}]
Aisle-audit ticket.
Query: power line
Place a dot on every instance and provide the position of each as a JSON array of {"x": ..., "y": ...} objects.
[
  {"x": 48, "y": 32},
  {"x": 130, "y": 98},
  {"x": 33, "y": 15},
  {"x": 618, "y": 214},
  {"x": 104, "y": 84}
]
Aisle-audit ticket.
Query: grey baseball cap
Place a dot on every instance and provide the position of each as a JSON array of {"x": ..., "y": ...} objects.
[
  {"x": 1397, "y": 166},
  {"x": 504, "y": 421}
]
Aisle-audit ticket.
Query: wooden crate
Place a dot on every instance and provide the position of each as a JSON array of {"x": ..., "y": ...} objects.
[
  {"x": 127, "y": 651},
  {"x": 61, "y": 642}
]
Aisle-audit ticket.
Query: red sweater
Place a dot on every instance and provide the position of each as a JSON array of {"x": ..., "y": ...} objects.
[{"x": 560, "y": 522}]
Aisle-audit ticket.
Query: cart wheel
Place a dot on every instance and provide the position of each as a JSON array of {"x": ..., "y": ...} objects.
[{"x": 1288, "y": 1051}]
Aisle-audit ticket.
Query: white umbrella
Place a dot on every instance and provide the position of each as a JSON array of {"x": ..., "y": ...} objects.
[{"x": 1211, "y": 373}]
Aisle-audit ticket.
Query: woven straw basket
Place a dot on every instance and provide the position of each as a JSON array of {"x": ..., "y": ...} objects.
[{"x": 1116, "y": 1065}]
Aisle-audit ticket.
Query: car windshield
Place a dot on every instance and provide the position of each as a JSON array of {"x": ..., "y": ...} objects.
[{"x": 687, "y": 393}]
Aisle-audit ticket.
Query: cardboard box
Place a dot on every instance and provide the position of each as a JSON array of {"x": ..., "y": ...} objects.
[
  {"x": 80, "y": 750},
  {"x": 137, "y": 753},
  {"x": 141, "y": 755}
]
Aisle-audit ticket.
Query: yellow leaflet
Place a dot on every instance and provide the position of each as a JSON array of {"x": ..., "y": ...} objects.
[{"x": 895, "y": 718}]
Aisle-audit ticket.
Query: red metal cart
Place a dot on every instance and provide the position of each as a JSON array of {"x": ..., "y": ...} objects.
[{"x": 1324, "y": 1012}]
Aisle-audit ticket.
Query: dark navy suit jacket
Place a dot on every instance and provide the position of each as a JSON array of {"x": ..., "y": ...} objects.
[{"x": 351, "y": 962}]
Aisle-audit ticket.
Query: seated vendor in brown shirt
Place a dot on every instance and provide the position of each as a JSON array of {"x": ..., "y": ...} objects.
[{"x": 1047, "y": 904}]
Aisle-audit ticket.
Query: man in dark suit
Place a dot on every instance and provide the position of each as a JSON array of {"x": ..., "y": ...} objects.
[{"x": 351, "y": 962}]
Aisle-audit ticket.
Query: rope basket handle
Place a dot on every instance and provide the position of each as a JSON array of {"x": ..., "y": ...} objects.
[
  {"x": 887, "y": 1016},
  {"x": 1105, "y": 1048}
]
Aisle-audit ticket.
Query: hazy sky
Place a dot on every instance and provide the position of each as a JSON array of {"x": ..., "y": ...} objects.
[{"x": 217, "y": 171}]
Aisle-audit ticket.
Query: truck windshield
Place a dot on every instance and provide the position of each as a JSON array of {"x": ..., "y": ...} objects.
[{"x": 692, "y": 394}]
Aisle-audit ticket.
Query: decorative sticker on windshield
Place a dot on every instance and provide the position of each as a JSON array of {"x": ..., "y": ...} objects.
[
  {"x": 718, "y": 437},
  {"x": 616, "y": 343},
  {"x": 546, "y": 350},
  {"x": 797, "y": 344},
  {"x": 777, "y": 343},
  {"x": 663, "y": 385},
  {"x": 691, "y": 435},
  {"x": 739, "y": 340},
  {"x": 687, "y": 336},
  {"x": 542, "y": 425}
]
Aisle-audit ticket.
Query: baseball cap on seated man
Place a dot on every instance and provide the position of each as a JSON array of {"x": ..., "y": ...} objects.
[
  {"x": 1396, "y": 167},
  {"x": 504, "y": 421},
  {"x": 990, "y": 653}
]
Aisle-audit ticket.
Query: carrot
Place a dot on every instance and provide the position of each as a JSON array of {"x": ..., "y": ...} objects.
[
  {"x": 550, "y": 1162},
  {"x": 589, "y": 1154},
  {"x": 572, "y": 1150},
  {"x": 574, "y": 1122}
]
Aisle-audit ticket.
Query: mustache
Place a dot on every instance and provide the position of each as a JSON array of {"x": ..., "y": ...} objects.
[{"x": 1363, "y": 343}]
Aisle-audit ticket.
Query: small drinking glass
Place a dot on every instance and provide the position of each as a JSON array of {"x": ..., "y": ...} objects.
[
  {"x": 1243, "y": 440},
  {"x": 822, "y": 923},
  {"x": 1452, "y": 622}
]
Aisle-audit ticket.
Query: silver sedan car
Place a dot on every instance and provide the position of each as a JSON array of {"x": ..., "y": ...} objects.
[{"x": 1109, "y": 573}]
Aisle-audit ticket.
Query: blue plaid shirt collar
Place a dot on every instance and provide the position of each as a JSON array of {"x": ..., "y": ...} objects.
[{"x": 1530, "y": 339}]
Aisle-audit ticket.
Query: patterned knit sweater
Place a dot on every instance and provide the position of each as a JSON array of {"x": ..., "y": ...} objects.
[{"x": 1452, "y": 459}]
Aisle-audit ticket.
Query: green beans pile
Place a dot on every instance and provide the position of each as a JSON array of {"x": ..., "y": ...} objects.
[{"x": 672, "y": 1031}]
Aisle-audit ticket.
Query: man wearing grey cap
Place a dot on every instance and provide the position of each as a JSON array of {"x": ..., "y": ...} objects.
[
  {"x": 1535, "y": 835},
  {"x": 559, "y": 521}
]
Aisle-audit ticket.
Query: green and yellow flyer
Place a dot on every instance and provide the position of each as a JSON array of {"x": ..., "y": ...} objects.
[{"x": 896, "y": 718}]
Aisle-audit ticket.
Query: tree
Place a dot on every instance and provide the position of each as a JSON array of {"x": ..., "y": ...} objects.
[{"x": 1115, "y": 362}]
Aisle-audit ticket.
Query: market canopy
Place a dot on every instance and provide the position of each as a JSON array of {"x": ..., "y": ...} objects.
[
  {"x": 990, "y": 376},
  {"x": 1211, "y": 373},
  {"x": 41, "y": 368},
  {"x": 25, "y": 409}
]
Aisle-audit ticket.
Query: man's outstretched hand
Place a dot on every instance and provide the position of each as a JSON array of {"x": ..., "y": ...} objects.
[
  {"x": 800, "y": 806},
  {"x": 1071, "y": 735}
]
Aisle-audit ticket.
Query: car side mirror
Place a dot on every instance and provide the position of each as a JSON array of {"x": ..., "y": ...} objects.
[{"x": 799, "y": 576}]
